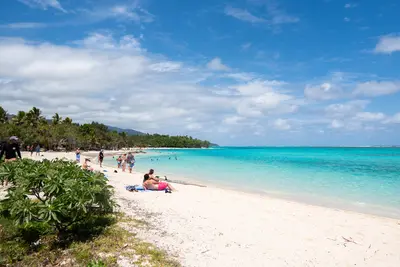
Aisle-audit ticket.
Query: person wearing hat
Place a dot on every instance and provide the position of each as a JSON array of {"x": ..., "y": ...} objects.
[{"x": 11, "y": 151}]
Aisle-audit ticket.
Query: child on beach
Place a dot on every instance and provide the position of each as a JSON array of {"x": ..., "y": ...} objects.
[
  {"x": 78, "y": 155},
  {"x": 119, "y": 161},
  {"x": 123, "y": 163}
]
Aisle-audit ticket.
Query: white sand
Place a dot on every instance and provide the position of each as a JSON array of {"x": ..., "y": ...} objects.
[{"x": 218, "y": 227}]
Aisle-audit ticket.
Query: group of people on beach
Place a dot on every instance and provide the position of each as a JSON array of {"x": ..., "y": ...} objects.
[{"x": 124, "y": 160}]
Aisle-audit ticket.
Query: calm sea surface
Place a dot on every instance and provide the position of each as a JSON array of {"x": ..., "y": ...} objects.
[{"x": 359, "y": 179}]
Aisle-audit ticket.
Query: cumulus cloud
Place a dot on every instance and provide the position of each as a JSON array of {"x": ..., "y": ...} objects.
[
  {"x": 323, "y": 91},
  {"x": 388, "y": 44},
  {"x": 101, "y": 81},
  {"x": 216, "y": 64},
  {"x": 377, "y": 88},
  {"x": 393, "y": 119},
  {"x": 44, "y": 4},
  {"x": 282, "y": 124},
  {"x": 240, "y": 76},
  {"x": 345, "y": 110},
  {"x": 369, "y": 116}
]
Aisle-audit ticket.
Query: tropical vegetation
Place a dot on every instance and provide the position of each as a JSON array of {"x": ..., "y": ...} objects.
[
  {"x": 56, "y": 214},
  {"x": 61, "y": 133}
]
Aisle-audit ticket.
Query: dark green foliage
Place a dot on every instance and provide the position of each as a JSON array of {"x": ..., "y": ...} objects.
[
  {"x": 51, "y": 199},
  {"x": 59, "y": 133},
  {"x": 58, "y": 193}
]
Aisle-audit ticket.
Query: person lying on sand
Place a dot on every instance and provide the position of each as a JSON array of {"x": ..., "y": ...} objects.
[{"x": 152, "y": 184}]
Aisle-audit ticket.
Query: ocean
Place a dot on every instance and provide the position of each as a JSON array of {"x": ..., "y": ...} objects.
[{"x": 359, "y": 179}]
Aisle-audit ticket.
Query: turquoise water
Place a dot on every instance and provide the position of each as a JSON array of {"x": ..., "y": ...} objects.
[{"x": 360, "y": 179}]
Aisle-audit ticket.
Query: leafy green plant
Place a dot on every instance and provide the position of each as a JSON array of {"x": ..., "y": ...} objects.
[
  {"x": 57, "y": 193},
  {"x": 95, "y": 263}
]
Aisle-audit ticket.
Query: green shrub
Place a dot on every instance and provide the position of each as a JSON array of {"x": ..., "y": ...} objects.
[{"x": 52, "y": 194}]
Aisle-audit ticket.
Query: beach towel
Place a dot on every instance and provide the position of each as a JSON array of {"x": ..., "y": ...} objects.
[{"x": 136, "y": 188}]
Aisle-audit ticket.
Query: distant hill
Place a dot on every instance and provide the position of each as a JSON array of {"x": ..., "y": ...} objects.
[{"x": 128, "y": 131}]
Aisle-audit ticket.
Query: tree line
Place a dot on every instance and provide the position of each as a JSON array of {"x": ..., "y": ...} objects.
[{"x": 62, "y": 133}]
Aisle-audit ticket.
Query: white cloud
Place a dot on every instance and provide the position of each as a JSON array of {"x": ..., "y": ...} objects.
[
  {"x": 393, "y": 119},
  {"x": 345, "y": 110},
  {"x": 241, "y": 76},
  {"x": 388, "y": 44},
  {"x": 132, "y": 12},
  {"x": 216, "y": 64},
  {"x": 282, "y": 124},
  {"x": 276, "y": 16},
  {"x": 106, "y": 41},
  {"x": 369, "y": 116},
  {"x": 232, "y": 120},
  {"x": 263, "y": 97},
  {"x": 346, "y": 19},
  {"x": 336, "y": 124},
  {"x": 23, "y": 25},
  {"x": 242, "y": 14},
  {"x": 43, "y": 4},
  {"x": 377, "y": 88},
  {"x": 246, "y": 46},
  {"x": 114, "y": 81},
  {"x": 350, "y": 5},
  {"x": 324, "y": 91}
]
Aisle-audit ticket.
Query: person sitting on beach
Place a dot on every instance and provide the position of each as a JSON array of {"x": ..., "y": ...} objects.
[
  {"x": 86, "y": 166},
  {"x": 152, "y": 176},
  {"x": 11, "y": 151},
  {"x": 152, "y": 184}
]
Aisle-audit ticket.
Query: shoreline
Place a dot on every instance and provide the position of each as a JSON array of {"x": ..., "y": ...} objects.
[
  {"x": 330, "y": 203},
  {"x": 221, "y": 227}
]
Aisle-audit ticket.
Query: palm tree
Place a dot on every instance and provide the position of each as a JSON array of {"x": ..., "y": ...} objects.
[
  {"x": 56, "y": 119},
  {"x": 67, "y": 120},
  {"x": 33, "y": 116},
  {"x": 20, "y": 118},
  {"x": 3, "y": 115}
]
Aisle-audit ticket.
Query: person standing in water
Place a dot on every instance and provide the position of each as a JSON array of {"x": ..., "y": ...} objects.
[
  {"x": 78, "y": 155},
  {"x": 101, "y": 158},
  {"x": 123, "y": 163},
  {"x": 11, "y": 151},
  {"x": 131, "y": 161},
  {"x": 119, "y": 161}
]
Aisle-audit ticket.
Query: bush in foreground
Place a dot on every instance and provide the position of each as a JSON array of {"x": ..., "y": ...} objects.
[{"x": 51, "y": 197}]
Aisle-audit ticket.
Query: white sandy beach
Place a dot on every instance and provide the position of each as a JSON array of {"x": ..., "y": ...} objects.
[{"x": 218, "y": 227}]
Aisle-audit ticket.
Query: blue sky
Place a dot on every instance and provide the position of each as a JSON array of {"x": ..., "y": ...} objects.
[{"x": 244, "y": 72}]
